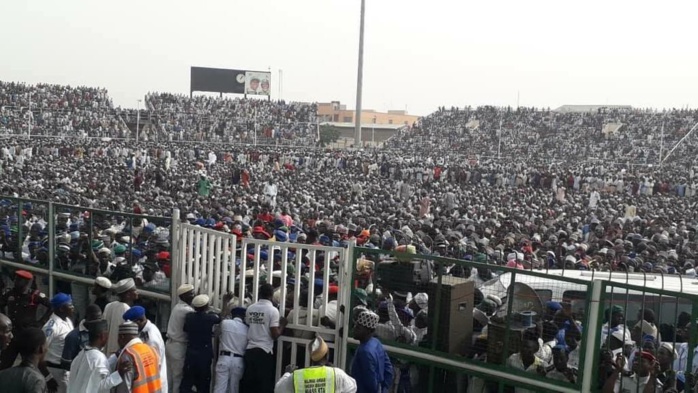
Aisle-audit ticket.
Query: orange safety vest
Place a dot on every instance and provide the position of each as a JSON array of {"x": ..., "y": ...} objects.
[{"x": 146, "y": 369}]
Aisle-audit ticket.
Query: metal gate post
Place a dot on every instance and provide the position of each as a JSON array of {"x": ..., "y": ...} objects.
[
  {"x": 52, "y": 247},
  {"x": 345, "y": 303},
  {"x": 176, "y": 256},
  {"x": 589, "y": 340}
]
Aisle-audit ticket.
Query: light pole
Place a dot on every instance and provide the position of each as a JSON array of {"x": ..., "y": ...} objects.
[
  {"x": 30, "y": 119},
  {"x": 359, "y": 78},
  {"x": 373, "y": 132},
  {"x": 138, "y": 119}
]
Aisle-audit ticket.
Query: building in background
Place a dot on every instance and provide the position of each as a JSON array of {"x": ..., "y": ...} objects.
[{"x": 335, "y": 112}]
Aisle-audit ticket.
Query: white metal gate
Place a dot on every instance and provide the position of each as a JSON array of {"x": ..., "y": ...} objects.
[{"x": 217, "y": 262}]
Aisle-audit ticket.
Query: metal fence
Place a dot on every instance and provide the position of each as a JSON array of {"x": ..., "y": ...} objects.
[
  {"x": 651, "y": 313},
  {"x": 451, "y": 325},
  {"x": 307, "y": 279},
  {"x": 68, "y": 246},
  {"x": 460, "y": 326}
]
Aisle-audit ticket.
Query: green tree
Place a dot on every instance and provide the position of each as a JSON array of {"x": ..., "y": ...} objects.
[{"x": 328, "y": 134}]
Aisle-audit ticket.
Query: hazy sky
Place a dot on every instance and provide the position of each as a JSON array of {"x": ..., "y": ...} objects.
[{"x": 418, "y": 54}]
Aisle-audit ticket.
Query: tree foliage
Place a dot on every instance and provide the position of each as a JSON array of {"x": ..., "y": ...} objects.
[{"x": 328, "y": 134}]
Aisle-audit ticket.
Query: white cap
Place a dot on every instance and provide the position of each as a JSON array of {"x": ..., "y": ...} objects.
[
  {"x": 103, "y": 282},
  {"x": 200, "y": 301},
  {"x": 184, "y": 288}
]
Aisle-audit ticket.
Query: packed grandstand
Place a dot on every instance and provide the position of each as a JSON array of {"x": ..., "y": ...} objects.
[{"x": 523, "y": 188}]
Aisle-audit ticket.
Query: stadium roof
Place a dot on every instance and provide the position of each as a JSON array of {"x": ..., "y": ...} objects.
[{"x": 588, "y": 108}]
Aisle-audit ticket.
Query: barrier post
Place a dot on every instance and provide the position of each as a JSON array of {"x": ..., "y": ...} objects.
[
  {"x": 51, "y": 246},
  {"x": 175, "y": 273},
  {"x": 593, "y": 330}
]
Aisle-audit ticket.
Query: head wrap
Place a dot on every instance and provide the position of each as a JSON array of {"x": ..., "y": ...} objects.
[{"x": 123, "y": 286}]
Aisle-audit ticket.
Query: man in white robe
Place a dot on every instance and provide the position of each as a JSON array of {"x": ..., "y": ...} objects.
[{"x": 89, "y": 371}]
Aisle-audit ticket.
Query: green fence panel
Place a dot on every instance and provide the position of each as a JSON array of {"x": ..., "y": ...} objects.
[
  {"x": 478, "y": 317},
  {"x": 68, "y": 246},
  {"x": 651, "y": 313}
]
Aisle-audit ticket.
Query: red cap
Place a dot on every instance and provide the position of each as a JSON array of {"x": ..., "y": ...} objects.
[
  {"x": 24, "y": 274},
  {"x": 163, "y": 255},
  {"x": 333, "y": 290},
  {"x": 648, "y": 355}
]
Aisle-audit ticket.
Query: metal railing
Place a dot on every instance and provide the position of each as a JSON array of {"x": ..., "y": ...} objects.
[
  {"x": 218, "y": 263},
  {"x": 61, "y": 243},
  {"x": 481, "y": 319}
]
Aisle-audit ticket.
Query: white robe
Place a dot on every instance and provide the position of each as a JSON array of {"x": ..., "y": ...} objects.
[
  {"x": 89, "y": 372},
  {"x": 113, "y": 313}
]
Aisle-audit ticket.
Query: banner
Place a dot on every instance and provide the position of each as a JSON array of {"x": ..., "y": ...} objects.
[{"x": 258, "y": 83}]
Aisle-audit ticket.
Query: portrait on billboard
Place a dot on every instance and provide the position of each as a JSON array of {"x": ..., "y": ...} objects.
[{"x": 258, "y": 83}]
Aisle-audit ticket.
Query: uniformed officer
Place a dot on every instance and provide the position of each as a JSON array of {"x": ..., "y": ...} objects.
[
  {"x": 197, "y": 363},
  {"x": 20, "y": 304},
  {"x": 319, "y": 377},
  {"x": 176, "y": 347},
  {"x": 233, "y": 342},
  {"x": 56, "y": 329}
]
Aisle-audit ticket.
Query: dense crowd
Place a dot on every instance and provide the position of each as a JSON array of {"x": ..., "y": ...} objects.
[
  {"x": 205, "y": 118},
  {"x": 57, "y": 110},
  {"x": 65, "y": 111},
  {"x": 559, "y": 193}
]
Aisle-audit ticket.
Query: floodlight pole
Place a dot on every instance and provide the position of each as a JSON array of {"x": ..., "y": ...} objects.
[
  {"x": 661, "y": 146},
  {"x": 138, "y": 120},
  {"x": 359, "y": 78}
]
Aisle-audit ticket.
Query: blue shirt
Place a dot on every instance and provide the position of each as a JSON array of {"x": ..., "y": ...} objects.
[
  {"x": 199, "y": 329},
  {"x": 75, "y": 341},
  {"x": 371, "y": 368}
]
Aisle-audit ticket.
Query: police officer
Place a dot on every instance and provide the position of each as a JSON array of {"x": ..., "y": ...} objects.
[
  {"x": 20, "y": 304},
  {"x": 197, "y": 362},
  {"x": 318, "y": 377},
  {"x": 56, "y": 329}
]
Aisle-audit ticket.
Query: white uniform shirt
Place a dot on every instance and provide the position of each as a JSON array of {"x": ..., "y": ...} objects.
[
  {"x": 175, "y": 326},
  {"x": 55, "y": 330},
  {"x": 151, "y": 335},
  {"x": 113, "y": 313},
  {"x": 343, "y": 383},
  {"x": 89, "y": 372},
  {"x": 233, "y": 336},
  {"x": 260, "y": 317}
]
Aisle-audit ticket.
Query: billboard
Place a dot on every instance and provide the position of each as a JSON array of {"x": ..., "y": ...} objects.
[
  {"x": 221, "y": 80},
  {"x": 257, "y": 83}
]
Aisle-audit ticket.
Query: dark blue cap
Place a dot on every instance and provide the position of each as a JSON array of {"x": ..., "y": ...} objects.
[
  {"x": 60, "y": 299},
  {"x": 134, "y": 313}
]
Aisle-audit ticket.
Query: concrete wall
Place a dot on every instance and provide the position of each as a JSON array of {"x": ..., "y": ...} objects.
[{"x": 335, "y": 112}]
